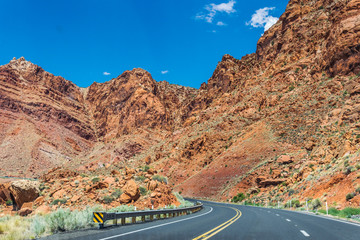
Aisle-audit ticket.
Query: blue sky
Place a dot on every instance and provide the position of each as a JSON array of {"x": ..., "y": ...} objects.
[{"x": 88, "y": 41}]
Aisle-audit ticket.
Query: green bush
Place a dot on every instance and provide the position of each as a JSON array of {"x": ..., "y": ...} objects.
[
  {"x": 143, "y": 191},
  {"x": 123, "y": 208},
  {"x": 140, "y": 178},
  {"x": 57, "y": 201},
  {"x": 9, "y": 202},
  {"x": 183, "y": 203},
  {"x": 238, "y": 198},
  {"x": 333, "y": 211},
  {"x": 315, "y": 204},
  {"x": 108, "y": 199},
  {"x": 349, "y": 196},
  {"x": 116, "y": 194},
  {"x": 95, "y": 180},
  {"x": 291, "y": 192},
  {"x": 160, "y": 178},
  {"x": 296, "y": 203},
  {"x": 348, "y": 212},
  {"x": 146, "y": 168}
]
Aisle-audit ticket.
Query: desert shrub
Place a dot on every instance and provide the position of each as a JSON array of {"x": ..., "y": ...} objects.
[
  {"x": 108, "y": 199},
  {"x": 357, "y": 190},
  {"x": 15, "y": 227},
  {"x": 333, "y": 211},
  {"x": 95, "y": 180},
  {"x": 160, "y": 178},
  {"x": 9, "y": 202},
  {"x": 143, "y": 191},
  {"x": 146, "y": 168},
  {"x": 291, "y": 192},
  {"x": 116, "y": 194},
  {"x": 238, "y": 198},
  {"x": 349, "y": 196},
  {"x": 183, "y": 203},
  {"x": 348, "y": 212},
  {"x": 315, "y": 204},
  {"x": 296, "y": 203},
  {"x": 349, "y": 170},
  {"x": 123, "y": 208},
  {"x": 42, "y": 186},
  {"x": 140, "y": 178},
  {"x": 57, "y": 201},
  {"x": 357, "y": 165},
  {"x": 63, "y": 220}
]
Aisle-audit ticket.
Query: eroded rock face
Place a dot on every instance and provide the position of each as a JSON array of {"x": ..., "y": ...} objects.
[
  {"x": 23, "y": 191},
  {"x": 297, "y": 95}
]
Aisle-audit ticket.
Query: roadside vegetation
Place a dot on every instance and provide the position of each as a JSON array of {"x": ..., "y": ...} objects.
[
  {"x": 314, "y": 205},
  {"x": 61, "y": 220}
]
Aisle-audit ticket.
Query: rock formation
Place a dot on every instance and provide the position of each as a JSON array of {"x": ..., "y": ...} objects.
[{"x": 282, "y": 120}]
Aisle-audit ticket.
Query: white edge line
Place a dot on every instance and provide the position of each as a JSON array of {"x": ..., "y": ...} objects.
[
  {"x": 164, "y": 224},
  {"x": 309, "y": 214},
  {"x": 305, "y": 233},
  {"x": 288, "y": 220},
  {"x": 323, "y": 217}
]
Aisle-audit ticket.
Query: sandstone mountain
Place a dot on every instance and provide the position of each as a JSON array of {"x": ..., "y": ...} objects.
[{"x": 278, "y": 124}]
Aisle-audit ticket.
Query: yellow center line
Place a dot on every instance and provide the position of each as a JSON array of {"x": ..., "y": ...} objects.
[{"x": 221, "y": 227}]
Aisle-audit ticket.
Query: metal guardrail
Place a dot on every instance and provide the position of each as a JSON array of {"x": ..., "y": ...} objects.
[{"x": 102, "y": 217}]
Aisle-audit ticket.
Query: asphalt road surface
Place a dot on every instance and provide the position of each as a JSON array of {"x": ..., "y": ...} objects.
[{"x": 227, "y": 221}]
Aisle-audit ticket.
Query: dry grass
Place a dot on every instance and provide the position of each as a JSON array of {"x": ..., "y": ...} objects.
[{"x": 15, "y": 228}]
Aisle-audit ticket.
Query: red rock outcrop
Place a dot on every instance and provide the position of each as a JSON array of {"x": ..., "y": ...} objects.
[
  {"x": 297, "y": 98},
  {"x": 23, "y": 191}
]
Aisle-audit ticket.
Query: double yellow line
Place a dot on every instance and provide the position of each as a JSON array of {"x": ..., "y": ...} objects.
[{"x": 221, "y": 227}]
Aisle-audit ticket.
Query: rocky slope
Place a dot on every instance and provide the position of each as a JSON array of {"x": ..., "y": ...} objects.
[{"x": 278, "y": 124}]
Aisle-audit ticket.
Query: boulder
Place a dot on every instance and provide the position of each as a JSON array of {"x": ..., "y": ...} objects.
[
  {"x": 152, "y": 171},
  {"x": 27, "y": 205},
  {"x": 43, "y": 209},
  {"x": 98, "y": 185},
  {"x": 4, "y": 192},
  {"x": 24, "y": 212},
  {"x": 39, "y": 201},
  {"x": 131, "y": 192},
  {"x": 285, "y": 159},
  {"x": 272, "y": 182},
  {"x": 24, "y": 191},
  {"x": 115, "y": 172},
  {"x": 75, "y": 198},
  {"x": 129, "y": 171},
  {"x": 152, "y": 185},
  {"x": 124, "y": 198},
  {"x": 147, "y": 160},
  {"x": 59, "y": 194}
]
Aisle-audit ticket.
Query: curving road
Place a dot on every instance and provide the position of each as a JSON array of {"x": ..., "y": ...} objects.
[{"x": 227, "y": 221}]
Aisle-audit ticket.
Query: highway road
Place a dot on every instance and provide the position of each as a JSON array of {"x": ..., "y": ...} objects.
[{"x": 228, "y": 221}]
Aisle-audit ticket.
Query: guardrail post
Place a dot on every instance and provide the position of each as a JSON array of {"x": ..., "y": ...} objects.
[
  {"x": 158, "y": 216},
  {"x": 123, "y": 220},
  {"x": 143, "y": 218},
  {"x": 133, "y": 219},
  {"x": 115, "y": 221},
  {"x": 151, "y": 217}
]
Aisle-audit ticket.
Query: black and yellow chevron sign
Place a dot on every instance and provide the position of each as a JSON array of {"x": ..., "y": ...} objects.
[{"x": 98, "y": 217}]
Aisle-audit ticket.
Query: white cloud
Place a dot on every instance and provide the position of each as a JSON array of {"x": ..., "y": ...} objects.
[
  {"x": 220, "y": 23},
  {"x": 106, "y": 73},
  {"x": 212, "y": 9},
  {"x": 261, "y": 18},
  {"x": 164, "y": 72}
]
